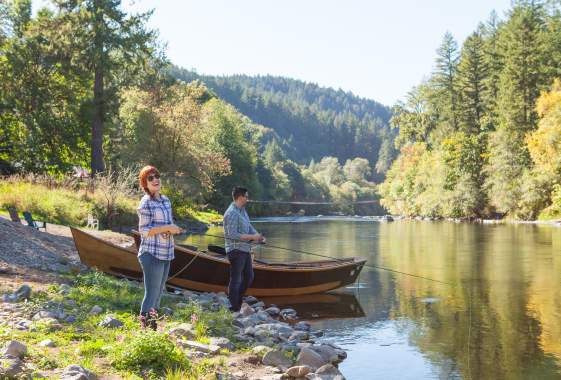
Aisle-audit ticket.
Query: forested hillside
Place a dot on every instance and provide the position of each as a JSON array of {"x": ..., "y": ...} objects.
[
  {"x": 311, "y": 121},
  {"x": 482, "y": 135},
  {"x": 84, "y": 84}
]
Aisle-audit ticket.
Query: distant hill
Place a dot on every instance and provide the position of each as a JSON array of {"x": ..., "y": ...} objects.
[{"x": 311, "y": 121}]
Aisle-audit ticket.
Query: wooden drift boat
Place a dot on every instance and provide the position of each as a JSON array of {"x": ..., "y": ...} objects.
[{"x": 209, "y": 272}]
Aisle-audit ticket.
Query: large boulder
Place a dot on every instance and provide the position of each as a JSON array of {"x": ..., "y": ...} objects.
[
  {"x": 15, "y": 349},
  {"x": 276, "y": 359},
  {"x": 11, "y": 368},
  {"x": 309, "y": 357},
  {"x": 328, "y": 353},
  {"x": 298, "y": 371},
  {"x": 326, "y": 372}
]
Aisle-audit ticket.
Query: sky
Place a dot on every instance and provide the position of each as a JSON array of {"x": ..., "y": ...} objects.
[{"x": 375, "y": 49}]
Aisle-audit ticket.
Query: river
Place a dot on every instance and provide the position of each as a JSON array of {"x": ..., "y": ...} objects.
[{"x": 497, "y": 317}]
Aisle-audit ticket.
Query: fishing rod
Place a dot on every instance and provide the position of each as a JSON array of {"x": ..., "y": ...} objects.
[
  {"x": 313, "y": 203},
  {"x": 328, "y": 257}
]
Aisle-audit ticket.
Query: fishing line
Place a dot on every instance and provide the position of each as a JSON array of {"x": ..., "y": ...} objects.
[
  {"x": 331, "y": 258},
  {"x": 470, "y": 306},
  {"x": 313, "y": 203}
]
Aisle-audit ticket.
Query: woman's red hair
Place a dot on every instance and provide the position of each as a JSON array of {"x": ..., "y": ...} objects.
[{"x": 143, "y": 177}]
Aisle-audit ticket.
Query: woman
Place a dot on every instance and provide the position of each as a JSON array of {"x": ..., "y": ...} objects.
[{"x": 155, "y": 224}]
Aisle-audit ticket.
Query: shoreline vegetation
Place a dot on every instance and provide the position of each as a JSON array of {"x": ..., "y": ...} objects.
[{"x": 481, "y": 136}]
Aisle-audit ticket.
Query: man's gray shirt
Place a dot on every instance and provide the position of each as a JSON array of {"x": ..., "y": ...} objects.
[{"x": 236, "y": 224}]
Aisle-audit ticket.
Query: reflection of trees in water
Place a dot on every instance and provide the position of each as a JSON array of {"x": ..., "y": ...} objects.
[{"x": 509, "y": 274}]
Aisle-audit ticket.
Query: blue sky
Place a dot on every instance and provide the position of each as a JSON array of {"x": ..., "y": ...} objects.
[{"x": 376, "y": 49}]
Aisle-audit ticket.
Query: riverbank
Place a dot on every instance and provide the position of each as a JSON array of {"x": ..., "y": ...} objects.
[{"x": 59, "y": 320}]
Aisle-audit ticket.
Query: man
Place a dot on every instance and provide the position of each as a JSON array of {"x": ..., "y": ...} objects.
[{"x": 238, "y": 234}]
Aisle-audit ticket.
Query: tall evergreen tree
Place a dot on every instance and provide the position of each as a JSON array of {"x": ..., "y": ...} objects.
[
  {"x": 493, "y": 62},
  {"x": 472, "y": 72},
  {"x": 444, "y": 80},
  {"x": 106, "y": 44},
  {"x": 520, "y": 82}
]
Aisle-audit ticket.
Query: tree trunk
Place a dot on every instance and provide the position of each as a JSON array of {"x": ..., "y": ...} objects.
[{"x": 97, "y": 164}]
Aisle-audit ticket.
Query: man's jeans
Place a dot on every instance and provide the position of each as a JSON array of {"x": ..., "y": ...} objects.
[
  {"x": 155, "y": 276},
  {"x": 241, "y": 276}
]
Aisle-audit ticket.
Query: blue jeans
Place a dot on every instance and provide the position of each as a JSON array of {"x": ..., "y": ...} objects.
[
  {"x": 241, "y": 276},
  {"x": 155, "y": 276}
]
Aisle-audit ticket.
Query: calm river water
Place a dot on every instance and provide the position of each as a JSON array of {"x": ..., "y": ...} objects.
[{"x": 499, "y": 319}]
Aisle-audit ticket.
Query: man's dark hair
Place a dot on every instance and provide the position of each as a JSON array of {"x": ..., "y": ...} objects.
[{"x": 238, "y": 192}]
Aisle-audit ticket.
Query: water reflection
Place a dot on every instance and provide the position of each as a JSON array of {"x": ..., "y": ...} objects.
[
  {"x": 500, "y": 318},
  {"x": 313, "y": 307}
]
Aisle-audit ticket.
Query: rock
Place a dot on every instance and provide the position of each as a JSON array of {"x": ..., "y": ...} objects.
[
  {"x": 263, "y": 315},
  {"x": 9, "y": 298},
  {"x": 277, "y": 359},
  {"x": 95, "y": 310},
  {"x": 250, "y": 300},
  {"x": 327, "y": 353},
  {"x": 303, "y": 326},
  {"x": 298, "y": 336},
  {"x": 258, "y": 305},
  {"x": 64, "y": 289},
  {"x": 23, "y": 293},
  {"x": 288, "y": 314},
  {"x": 110, "y": 322},
  {"x": 273, "y": 311},
  {"x": 11, "y": 368},
  {"x": 166, "y": 311},
  {"x": 184, "y": 330},
  {"x": 180, "y": 305},
  {"x": 44, "y": 314},
  {"x": 76, "y": 372},
  {"x": 51, "y": 324},
  {"x": 246, "y": 310},
  {"x": 327, "y": 372},
  {"x": 222, "y": 343},
  {"x": 47, "y": 343},
  {"x": 70, "y": 319},
  {"x": 200, "y": 347},
  {"x": 309, "y": 357},
  {"x": 187, "y": 294},
  {"x": 15, "y": 349},
  {"x": 298, "y": 371}
]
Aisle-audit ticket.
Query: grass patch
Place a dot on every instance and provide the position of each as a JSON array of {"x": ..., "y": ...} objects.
[
  {"x": 127, "y": 351},
  {"x": 69, "y": 203}
]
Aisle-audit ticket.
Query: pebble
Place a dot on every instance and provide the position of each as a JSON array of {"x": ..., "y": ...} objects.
[
  {"x": 76, "y": 372},
  {"x": 95, "y": 310},
  {"x": 110, "y": 322},
  {"x": 47, "y": 343}
]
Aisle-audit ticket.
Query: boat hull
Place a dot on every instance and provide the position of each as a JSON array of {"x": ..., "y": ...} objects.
[{"x": 198, "y": 270}]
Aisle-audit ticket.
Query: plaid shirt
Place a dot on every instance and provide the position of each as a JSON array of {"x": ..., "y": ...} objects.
[
  {"x": 236, "y": 224},
  {"x": 154, "y": 213}
]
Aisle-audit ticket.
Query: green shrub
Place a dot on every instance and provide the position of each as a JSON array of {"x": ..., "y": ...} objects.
[{"x": 149, "y": 350}]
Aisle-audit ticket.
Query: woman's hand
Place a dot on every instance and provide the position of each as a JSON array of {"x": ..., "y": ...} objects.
[{"x": 174, "y": 230}]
